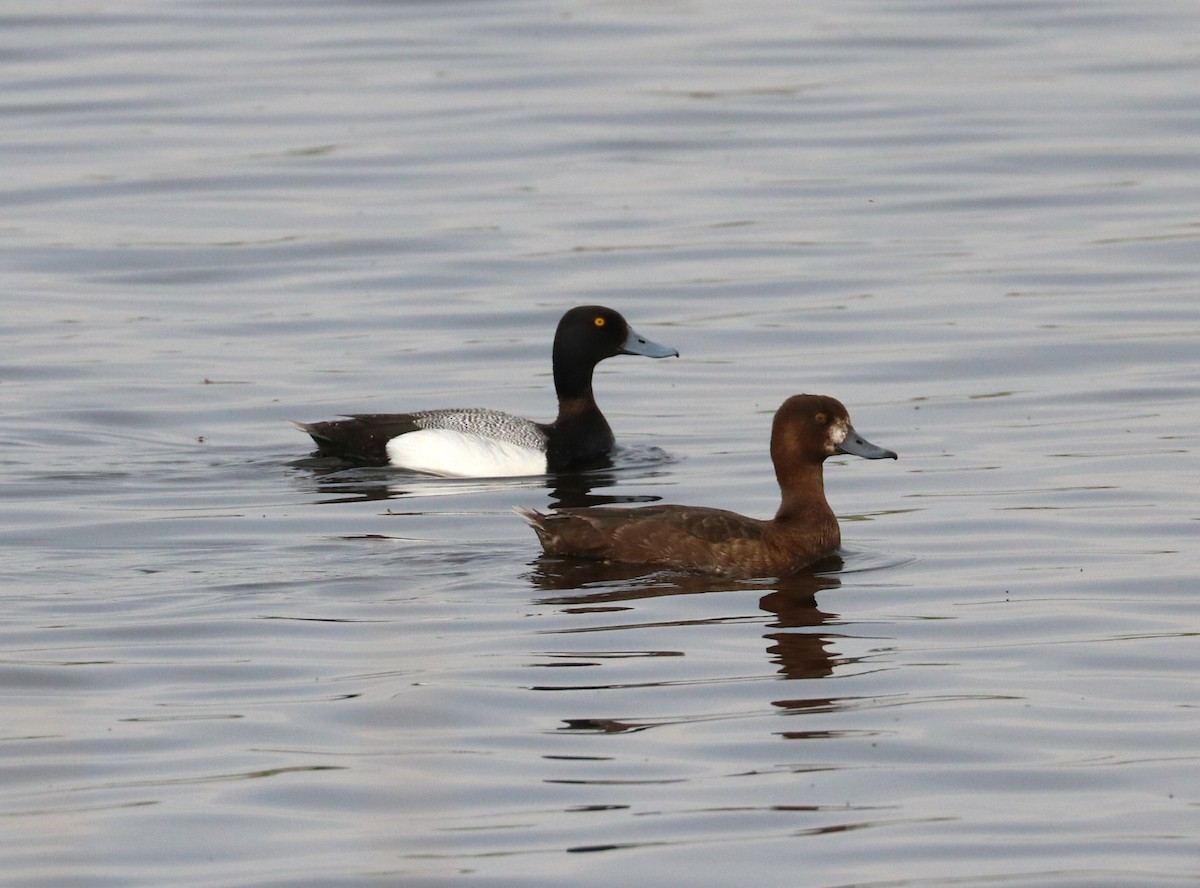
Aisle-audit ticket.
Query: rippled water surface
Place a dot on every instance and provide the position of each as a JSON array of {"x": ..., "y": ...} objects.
[{"x": 975, "y": 223}]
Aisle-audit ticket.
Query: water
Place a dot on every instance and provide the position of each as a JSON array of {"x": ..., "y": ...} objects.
[{"x": 975, "y": 224}]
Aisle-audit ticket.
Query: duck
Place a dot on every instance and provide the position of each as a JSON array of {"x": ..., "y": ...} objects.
[
  {"x": 807, "y": 430},
  {"x": 478, "y": 442}
]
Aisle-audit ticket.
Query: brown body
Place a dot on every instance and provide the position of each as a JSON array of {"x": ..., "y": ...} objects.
[{"x": 807, "y": 430}]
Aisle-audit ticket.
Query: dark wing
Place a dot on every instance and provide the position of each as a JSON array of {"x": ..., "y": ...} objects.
[{"x": 362, "y": 437}]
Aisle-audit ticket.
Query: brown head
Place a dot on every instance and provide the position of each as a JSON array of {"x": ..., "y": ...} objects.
[{"x": 808, "y": 429}]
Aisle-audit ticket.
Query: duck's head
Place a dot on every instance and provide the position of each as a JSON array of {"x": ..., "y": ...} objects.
[
  {"x": 811, "y": 428},
  {"x": 590, "y": 333}
]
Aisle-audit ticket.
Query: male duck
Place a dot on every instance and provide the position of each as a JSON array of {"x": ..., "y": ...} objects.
[
  {"x": 481, "y": 443},
  {"x": 807, "y": 430}
]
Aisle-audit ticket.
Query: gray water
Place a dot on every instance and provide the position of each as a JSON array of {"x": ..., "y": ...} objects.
[{"x": 974, "y": 223}]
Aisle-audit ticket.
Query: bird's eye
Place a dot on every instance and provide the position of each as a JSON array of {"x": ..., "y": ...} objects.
[
  {"x": 599, "y": 322},
  {"x": 821, "y": 418}
]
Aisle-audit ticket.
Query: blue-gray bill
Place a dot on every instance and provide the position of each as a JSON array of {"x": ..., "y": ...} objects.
[
  {"x": 856, "y": 445},
  {"x": 636, "y": 344}
]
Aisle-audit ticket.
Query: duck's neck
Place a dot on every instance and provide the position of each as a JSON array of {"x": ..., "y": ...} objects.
[
  {"x": 803, "y": 489},
  {"x": 579, "y": 433},
  {"x": 804, "y": 513},
  {"x": 579, "y": 436},
  {"x": 572, "y": 376}
]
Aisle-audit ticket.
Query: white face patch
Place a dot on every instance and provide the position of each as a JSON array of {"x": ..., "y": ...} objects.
[
  {"x": 455, "y": 454},
  {"x": 838, "y": 431}
]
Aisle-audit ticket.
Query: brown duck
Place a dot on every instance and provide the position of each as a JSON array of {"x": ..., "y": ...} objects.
[{"x": 807, "y": 430}]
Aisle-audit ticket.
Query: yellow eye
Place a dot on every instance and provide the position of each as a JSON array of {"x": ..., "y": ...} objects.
[
  {"x": 821, "y": 418},
  {"x": 599, "y": 322}
]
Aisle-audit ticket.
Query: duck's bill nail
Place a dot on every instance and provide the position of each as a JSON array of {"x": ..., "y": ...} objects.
[
  {"x": 856, "y": 445},
  {"x": 636, "y": 344}
]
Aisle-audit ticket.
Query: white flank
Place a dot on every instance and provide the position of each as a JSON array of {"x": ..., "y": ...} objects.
[{"x": 462, "y": 455}]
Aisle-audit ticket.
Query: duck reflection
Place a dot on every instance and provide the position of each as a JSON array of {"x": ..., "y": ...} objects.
[
  {"x": 575, "y": 491},
  {"x": 584, "y": 586},
  {"x": 794, "y": 603},
  {"x": 333, "y": 481}
]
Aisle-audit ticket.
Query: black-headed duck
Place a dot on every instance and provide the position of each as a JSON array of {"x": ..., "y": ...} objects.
[
  {"x": 481, "y": 443},
  {"x": 807, "y": 430}
]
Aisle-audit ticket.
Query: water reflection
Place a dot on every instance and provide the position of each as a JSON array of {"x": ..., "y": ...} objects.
[
  {"x": 574, "y": 491},
  {"x": 334, "y": 481},
  {"x": 794, "y": 603},
  {"x": 589, "y": 587}
]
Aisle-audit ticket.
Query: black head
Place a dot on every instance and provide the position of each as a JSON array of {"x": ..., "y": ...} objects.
[
  {"x": 586, "y": 336},
  {"x": 595, "y": 332}
]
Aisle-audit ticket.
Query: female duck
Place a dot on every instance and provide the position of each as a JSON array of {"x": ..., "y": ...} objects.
[
  {"x": 478, "y": 443},
  {"x": 807, "y": 430}
]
